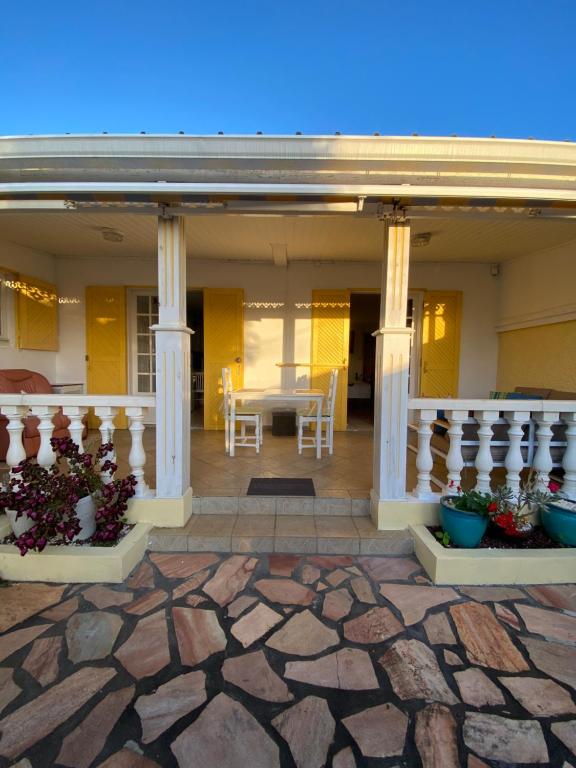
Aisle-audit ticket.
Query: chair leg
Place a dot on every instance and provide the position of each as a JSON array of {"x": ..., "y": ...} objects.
[
  {"x": 227, "y": 434},
  {"x": 299, "y": 436},
  {"x": 257, "y": 433},
  {"x": 330, "y": 429}
]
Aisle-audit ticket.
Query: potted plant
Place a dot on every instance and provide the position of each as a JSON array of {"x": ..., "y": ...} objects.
[
  {"x": 73, "y": 500},
  {"x": 516, "y": 513},
  {"x": 559, "y": 519},
  {"x": 464, "y": 515}
]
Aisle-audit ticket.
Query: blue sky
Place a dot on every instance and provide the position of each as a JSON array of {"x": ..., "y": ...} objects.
[{"x": 434, "y": 67}]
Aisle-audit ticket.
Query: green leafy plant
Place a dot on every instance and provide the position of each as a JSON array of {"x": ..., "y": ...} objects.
[{"x": 443, "y": 537}]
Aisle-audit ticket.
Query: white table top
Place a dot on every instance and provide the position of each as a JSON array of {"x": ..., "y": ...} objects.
[{"x": 276, "y": 393}]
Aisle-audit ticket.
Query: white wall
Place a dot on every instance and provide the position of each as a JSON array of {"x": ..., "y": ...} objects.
[
  {"x": 26, "y": 261},
  {"x": 280, "y": 334}
]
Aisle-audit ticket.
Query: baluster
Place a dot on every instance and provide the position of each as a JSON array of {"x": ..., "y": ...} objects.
[
  {"x": 46, "y": 456},
  {"x": 106, "y": 414},
  {"x": 484, "y": 462},
  {"x": 424, "y": 462},
  {"x": 16, "y": 452},
  {"x": 543, "y": 458},
  {"x": 75, "y": 413},
  {"x": 569, "y": 458},
  {"x": 514, "y": 462},
  {"x": 454, "y": 458},
  {"x": 137, "y": 456}
]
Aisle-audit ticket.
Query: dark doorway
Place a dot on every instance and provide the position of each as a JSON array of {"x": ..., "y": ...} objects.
[
  {"x": 195, "y": 321},
  {"x": 364, "y": 320}
]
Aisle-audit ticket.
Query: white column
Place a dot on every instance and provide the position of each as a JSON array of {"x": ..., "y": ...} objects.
[
  {"x": 172, "y": 363},
  {"x": 46, "y": 456},
  {"x": 484, "y": 462},
  {"x": 16, "y": 452},
  {"x": 543, "y": 458},
  {"x": 569, "y": 458},
  {"x": 454, "y": 458},
  {"x": 514, "y": 462},
  {"x": 392, "y": 365}
]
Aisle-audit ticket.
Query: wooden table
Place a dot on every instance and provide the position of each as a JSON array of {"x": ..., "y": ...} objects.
[{"x": 277, "y": 394}]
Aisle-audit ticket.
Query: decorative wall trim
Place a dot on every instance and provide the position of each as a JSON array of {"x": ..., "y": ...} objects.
[{"x": 560, "y": 314}]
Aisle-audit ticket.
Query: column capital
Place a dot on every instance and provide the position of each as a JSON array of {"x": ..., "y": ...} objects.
[{"x": 172, "y": 327}]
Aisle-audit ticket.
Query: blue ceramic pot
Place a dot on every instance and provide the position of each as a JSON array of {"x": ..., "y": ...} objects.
[
  {"x": 560, "y": 524},
  {"x": 464, "y": 528}
]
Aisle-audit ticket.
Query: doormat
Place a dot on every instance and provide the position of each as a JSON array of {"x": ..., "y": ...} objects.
[{"x": 281, "y": 486}]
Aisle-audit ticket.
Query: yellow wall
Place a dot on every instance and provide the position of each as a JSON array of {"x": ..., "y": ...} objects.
[{"x": 541, "y": 356}]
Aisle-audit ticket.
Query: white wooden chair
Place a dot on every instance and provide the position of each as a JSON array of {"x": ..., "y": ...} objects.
[
  {"x": 327, "y": 421},
  {"x": 244, "y": 415}
]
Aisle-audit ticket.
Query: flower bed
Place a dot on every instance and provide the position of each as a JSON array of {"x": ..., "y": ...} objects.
[{"x": 536, "y": 539}]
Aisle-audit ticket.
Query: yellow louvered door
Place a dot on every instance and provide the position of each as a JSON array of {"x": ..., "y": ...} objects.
[
  {"x": 223, "y": 348},
  {"x": 330, "y": 346},
  {"x": 440, "y": 356},
  {"x": 37, "y": 314},
  {"x": 106, "y": 345}
]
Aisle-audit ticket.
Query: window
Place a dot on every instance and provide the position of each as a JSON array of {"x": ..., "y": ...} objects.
[
  {"x": 145, "y": 310},
  {"x": 6, "y": 309}
]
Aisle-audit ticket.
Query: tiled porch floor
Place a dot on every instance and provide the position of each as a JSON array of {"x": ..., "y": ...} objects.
[{"x": 277, "y": 661}]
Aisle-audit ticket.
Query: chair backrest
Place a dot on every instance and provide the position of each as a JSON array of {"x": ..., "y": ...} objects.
[
  {"x": 332, "y": 387},
  {"x": 226, "y": 381}
]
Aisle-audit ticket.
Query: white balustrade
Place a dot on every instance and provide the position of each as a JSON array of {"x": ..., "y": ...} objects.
[
  {"x": 137, "y": 457},
  {"x": 538, "y": 433},
  {"x": 15, "y": 427},
  {"x": 107, "y": 414},
  {"x": 45, "y": 413},
  {"x": 76, "y": 413}
]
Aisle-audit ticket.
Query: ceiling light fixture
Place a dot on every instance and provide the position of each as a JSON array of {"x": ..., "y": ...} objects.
[
  {"x": 112, "y": 235},
  {"x": 421, "y": 239}
]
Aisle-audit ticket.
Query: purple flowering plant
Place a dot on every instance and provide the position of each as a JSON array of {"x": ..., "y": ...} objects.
[{"x": 48, "y": 496}]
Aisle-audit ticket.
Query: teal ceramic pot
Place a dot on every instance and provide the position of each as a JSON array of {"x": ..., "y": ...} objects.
[
  {"x": 560, "y": 524},
  {"x": 464, "y": 528}
]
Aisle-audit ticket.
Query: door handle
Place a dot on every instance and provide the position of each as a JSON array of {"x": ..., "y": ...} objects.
[{"x": 237, "y": 359}]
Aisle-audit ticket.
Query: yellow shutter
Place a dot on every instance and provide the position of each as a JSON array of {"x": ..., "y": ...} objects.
[
  {"x": 440, "y": 357},
  {"x": 223, "y": 347},
  {"x": 330, "y": 346},
  {"x": 37, "y": 314},
  {"x": 106, "y": 344}
]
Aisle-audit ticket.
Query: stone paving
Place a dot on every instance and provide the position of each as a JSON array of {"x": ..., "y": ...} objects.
[{"x": 276, "y": 661}]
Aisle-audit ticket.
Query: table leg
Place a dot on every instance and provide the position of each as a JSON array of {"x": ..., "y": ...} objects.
[
  {"x": 319, "y": 404},
  {"x": 232, "y": 426}
]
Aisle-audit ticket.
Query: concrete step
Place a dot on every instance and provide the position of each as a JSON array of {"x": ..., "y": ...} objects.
[
  {"x": 298, "y": 534},
  {"x": 282, "y": 505}
]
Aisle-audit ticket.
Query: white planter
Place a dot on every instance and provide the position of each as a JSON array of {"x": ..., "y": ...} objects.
[
  {"x": 19, "y": 525},
  {"x": 86, "y": 513}
]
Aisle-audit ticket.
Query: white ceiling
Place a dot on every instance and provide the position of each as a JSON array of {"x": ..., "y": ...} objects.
[{"x": 337, "y": 238}]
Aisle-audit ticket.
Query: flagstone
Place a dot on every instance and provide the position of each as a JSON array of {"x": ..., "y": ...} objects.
[
  {"x": 254, "y": 625},
  {"x": 337, "y": 604},
  {"x": 337, "y": 577},
  {"x": 438, "y": 630},
  {"x": 435, "y": 737},
  {"x": 21, "y": 601},
  {"x": 303, "y": 635},
  {"x": 550, "y": 624},
  {"x": 62, "y": 611},
  {"x": 452, "y": 658},
  {"x": 230, "y": 578},
  {"x": 507, "y": 616},
  {"x": 182, "y": 565},
  {"x": 492, "y": 594},
  {"x": 8, "y": 688},
  {"x": 285, "y": 591},
  {"x": 42, "y": 661},
  {"x": 13, "y": 641},
  {"x": 363, "y": 591},
  {"x": 225, "y": 735},
  {"x": 389, "y": 568},
  {"x": 195, "y": 600},
  {"x": 504, "y": 739},
  {"x": 146, "y": 651},
  {"x": 91, "y": 635},
  {"x": 349, "y": 669},
  {"x": 83, "y": 745},
  {"x": 282, "y": 565},
  {"x": 127, "y": 758},
  {"x": 414, "y": 601},
  {"x": 147, "y": 602},
  {"x": 254, "y": 675},
  {"x": 104, "y": 597},
  {"x": 486, "y": 642},
  {"x": 142, "y": 578},
  {"x": 566, "y": 732},
  {"x": 354, "y": 570},
  {"x": 241, "y": 604},
  {"x": 198, "y": 633},
  {"x": 169, "y": 702},
  {"x": 192, "y": 583},
  {"x": 555, "y": 659},
  {"x": 344, "y": 759},
  {"x": 33, "y": 721},
  {"x": 309, "y": 729},
  {"x": 477, "y": 689},
  {"x": 379, "y": 731},
  {"x": 331, "y": 561},
  {"x": 475, "y": 762},
  {"x": 320, "y": 587},
  {"x": 542, "y": 698},
  {"x": 374, "y": 626},
  {"x": 561, "y": 596},
  {"x": 310, "y": 574},
  {"x": 419, "y": 579},
  {"x": 415, "y": 674}
]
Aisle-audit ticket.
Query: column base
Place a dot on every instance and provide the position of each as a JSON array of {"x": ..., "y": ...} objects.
[
  {"x": 398, "y": 514},
  {"x": 161, "y": 512}
]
